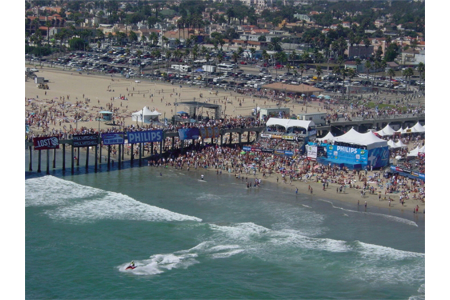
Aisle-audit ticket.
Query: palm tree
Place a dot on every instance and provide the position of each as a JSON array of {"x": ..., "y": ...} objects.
[
  {"x": 165, "y": 41},
  {"x": 391, "y": 73},
  {"x": 168, "y": 56},
  {"x": 220, "y": 57},
  {"x": 235, "y": 56},
  {"x": 368, "y": 66},
  {"x": 302, "y": 69},
  {"x": 421, "y": 69},
  {"x": 265, "y": 56},
  {"x": 408, "y": 73},
  {"x": 252, "y": 51},
  {"x": 318, "y": 71}
]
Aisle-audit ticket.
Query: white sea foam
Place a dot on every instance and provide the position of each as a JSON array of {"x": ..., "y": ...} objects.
[
  {"x": 392, "y": 218},
  {"x": 78, "y": 203},
  {"x": 371, "y": 263},
  {"x": 159, "y": 263},
  {"x": 50, "y": 191},
  {"x": 377, "y": 264},
  {"x": 376, "y": 252}
]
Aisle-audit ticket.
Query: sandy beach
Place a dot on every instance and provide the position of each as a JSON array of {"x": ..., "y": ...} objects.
[
  {"x": 105, "y": 90},
  {"x": 95, "y": 92}
]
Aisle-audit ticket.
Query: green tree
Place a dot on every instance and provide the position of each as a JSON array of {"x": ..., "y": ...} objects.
[{"x": 77, "y": 44}]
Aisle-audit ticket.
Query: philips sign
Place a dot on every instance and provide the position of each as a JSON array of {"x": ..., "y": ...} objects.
[
  {"x": 347, "y": 149},
  {"x": 145, "y": 136}
]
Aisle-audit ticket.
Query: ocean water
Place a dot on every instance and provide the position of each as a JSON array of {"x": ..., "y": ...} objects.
[{"x": 210, "y": 239}]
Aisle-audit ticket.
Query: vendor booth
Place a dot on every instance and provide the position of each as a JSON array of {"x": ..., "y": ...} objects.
[
  {"x": 145, "y": 115},
  {"x": 358, "y": 150},
  {"x": 105, "y": 115},
  {"x": 305, "y": 128}
]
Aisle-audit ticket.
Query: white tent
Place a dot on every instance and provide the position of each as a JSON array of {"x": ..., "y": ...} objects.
[
  {"x": 396, "y": 145},
  {"x": 329, "y": 137},
  {"x": 287, "y": 123},
  {"x": 400, "y": 144},
  {"x": 416, "y": 151},
  {"x": 367, "y": 139},
  {"x": 386, "y": 131},
  {"x": 403, "y": 131},
  {"x": 145, "y": 115},
  {"x": 422, "y": 150},
  {"x": 418, "y": 128}
]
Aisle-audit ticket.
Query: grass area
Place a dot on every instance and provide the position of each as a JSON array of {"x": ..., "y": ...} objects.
[{"x": 383, "y": 106}]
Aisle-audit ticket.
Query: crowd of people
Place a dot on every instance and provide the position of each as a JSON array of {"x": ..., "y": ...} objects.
[
  {"x": 64, "y": 117},
  {"x": 247, "y": 167}
]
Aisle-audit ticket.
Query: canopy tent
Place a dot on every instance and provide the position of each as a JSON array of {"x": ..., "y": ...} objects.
[
  {"x": 287, "y": 123},
  {"x": 418, "y": 128},
  {"x": 403, "y": 131},
  {"x": 416, "y": 151},
  {"x": 324, "y": 96},
  {"x": 396, "y": 145},
  {"x": 145, "y": 115},
  {"x": 386, "y": 131},
  {"x": 106, "y": 115},
  {"x": 329, "y": 137},
  {"x": 367, "y": 139},
  {"x": 400, "y": 144}
]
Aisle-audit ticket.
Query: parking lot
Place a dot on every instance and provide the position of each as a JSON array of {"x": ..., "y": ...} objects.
[{"x": 246, "y": 73}]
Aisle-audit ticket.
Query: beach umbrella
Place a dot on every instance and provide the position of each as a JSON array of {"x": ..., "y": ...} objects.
[{"x": 243, "y": 152}]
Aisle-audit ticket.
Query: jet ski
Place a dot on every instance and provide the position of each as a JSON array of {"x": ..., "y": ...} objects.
[{"x": 132, "y": 266}]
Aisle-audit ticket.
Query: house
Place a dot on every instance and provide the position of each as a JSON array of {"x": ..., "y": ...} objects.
[
  {"x": 379, "y": 23},
  {"x": 346, "y": 24},
  {"x": 392, "y": 65},
  {"x": 359, "y": 50},
  {"x": 352, "y": 65},
  {"x": 302, "y": 17}
]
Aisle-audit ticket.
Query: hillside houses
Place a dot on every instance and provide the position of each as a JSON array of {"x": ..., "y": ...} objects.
[{"x": 257, "y": 33}]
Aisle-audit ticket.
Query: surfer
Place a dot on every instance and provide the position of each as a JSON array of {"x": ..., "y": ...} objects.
[{"x": 202, "y": 177}]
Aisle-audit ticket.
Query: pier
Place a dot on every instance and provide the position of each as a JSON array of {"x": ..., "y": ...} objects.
[{"x": 226, "y": 138}]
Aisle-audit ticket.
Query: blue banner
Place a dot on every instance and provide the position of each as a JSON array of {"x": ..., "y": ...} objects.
[
  {"x": 145, "y": 136},
  {"x": 113, "y": 138},
  {"x": 245, "y": 148},
  {"x": 408, "y": 173},
  {"x": 378, "y": 157},
  {"x": 188, "y": 133}
]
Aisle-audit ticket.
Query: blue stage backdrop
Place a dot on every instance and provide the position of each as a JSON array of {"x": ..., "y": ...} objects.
[{"x": 378, "y": 157}]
